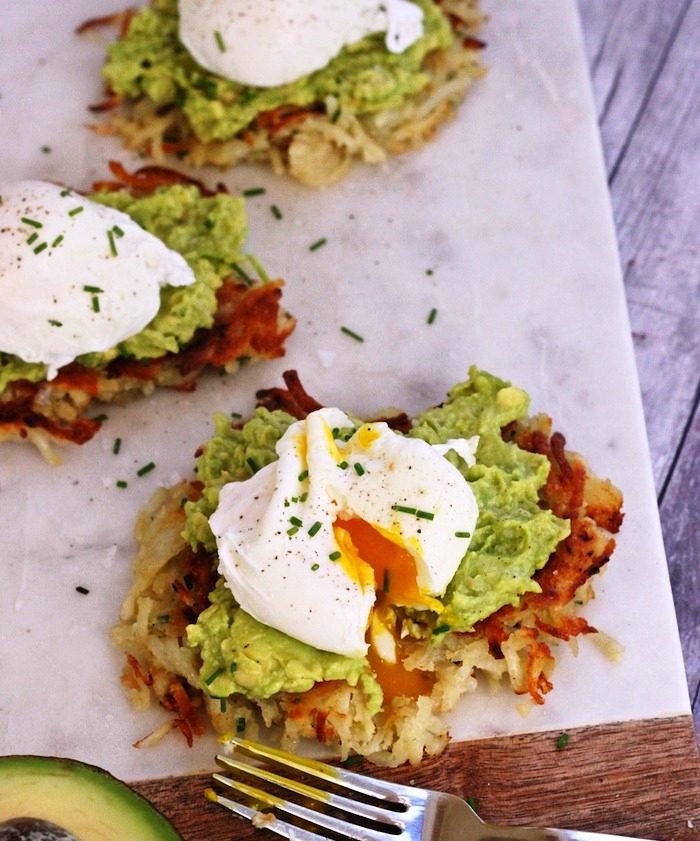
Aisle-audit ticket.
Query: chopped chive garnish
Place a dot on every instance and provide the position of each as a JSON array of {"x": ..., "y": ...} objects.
[
  {"x": 163, "y": 618},
  {"x": 254, "y": 191},
  {"x": 276, "y": 212},
  {"x": 295, "y": 521},
  {"x": 94, "y": 289},
  {"x": 116, "y": 446},
  {"x": 355, "y": 759},
  {"x": 121, "y": 483},
  {"x": 245, "y": 277},
  {"x": 441, "y": 629},
  {"x": 57, "y": 241},
  {"x": 41, "y": 247},
  {"x": 334, "y": 556},
  {"x": 352, "y": 334},
  {"x": 76, "y": 210},
  {"x": 425, "y": 515},
  {"x": 223, "y": 705},
  {"x": 318, "y": 244},
  {"x": 562, "y": 741},
  {"x": 359, "y": 469},
  {"x": 404, "y": 509},
  {"x": 291, "y": 532},
  {"x": 146, "y": 468},
  {"x": 236, "y": 415},
  {"x": 64, "y": 193},
  {"x": 220, "y": 43},
  {"x": 314, "y": 567},
  {"x": 213, "y": 676},
  {"x": 232, "y": 667},
  {"x": 343, "y": 465},
  {"x": 54, "y": 323},
  {"x": 117, "y": 231},
  {"x": 386, "y": 582},
  {"x": 32, "y": 222},
  {"x": 240, "y": 724},
  {"x": 462, "y": 534},
  {"x": 112, "y": 244},
  {"x": 431, "y": 315},
  {"x": 471, "y": 802},
  {"x": 32, "y": 238},
  {"x": 81, "y": 589},
  {"x": 303, "y": 475},
  {"x": 303, "y": 497},
  {"x": 314, "y": 529},
  {"x": 252, "y": 464},
  {"x": 95, "y": 303}
]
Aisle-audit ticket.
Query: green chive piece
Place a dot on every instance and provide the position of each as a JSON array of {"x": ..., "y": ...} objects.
[
  {"x": 146, "y": 469},
  {"x": 57, "y": 241},
  {"x": 240, "y": 724},
  {"x": 315, "y": 528},
  {"x": 343, "y": 465},
  {"x": 163, "y": 619},
  {"x": 562, "y": 740},
  {"x": 54, "y": 323},
  {"x": 245, "y": 277},
  {"x": 117, "y": 231},
  {"x": 76, "y": 210},
  {"x": 117, "y": 446},
  {"x": 359, "y": 469},
  {"x": 95, "y": 303},
  {"x": 471, "y": 802},
  {"x": 462, "y": 534},
  {"x": 291, "y": 532},
  {"x": 276, "y": 212},
  {"x": 252, "y": 464},
  {"x": 303, "y": 497},
  {"x": 32, "y": 238},
  {"x": 355, "y": 759},
  {"x": 425, "y": 515},
  {"x": 223, "y": 705},
  {"x": 232, "y": 668},
  {"x": 213, "y": 676},
  {"x": 254, "y": 191},
  {"x": 314, "y": 567},
  {"x": 94, "y": 289},
  {"x": 386, "y": 582},
  {"x": 405, "y": 509},
  {"x": 352, "y": 334},
  {"x": 303, "y": 475},
  {"x": 236, "y": 415},
  {"x": 220, "y": 43},
  {"x": 64, "y": 193},
  {"x": 295, "y": 521},
  {"x": 258, "y": 266},
  {"x": 441, "y": 629},
  {"x": 432, "y": 315},
  {"x": 32, "y": 222},
  {"x": 318, "y": 244},
  {"x": 112, "y": 244},
  {"x": 334, "y": 556},
  {"x": 121, "y": 483},
  {"x": 41, "y": 247}
]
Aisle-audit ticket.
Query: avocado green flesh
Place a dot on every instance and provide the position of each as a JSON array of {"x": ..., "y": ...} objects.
[
  {"x": 208, "y": 232},
  {"x": 364, "y": 78},
  {"x": 84, "y": 800},
  {"x": 513, "y": 538}
]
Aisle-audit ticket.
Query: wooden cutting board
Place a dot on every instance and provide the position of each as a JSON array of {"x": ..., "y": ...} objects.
[{"x": 636, "y": 778}]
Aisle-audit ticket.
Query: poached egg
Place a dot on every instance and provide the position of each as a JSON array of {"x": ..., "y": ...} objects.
[
  {"x": 343, "y": 525},
  {"x": 76, "y": 277},
  {"x": 265, "y": 43}
]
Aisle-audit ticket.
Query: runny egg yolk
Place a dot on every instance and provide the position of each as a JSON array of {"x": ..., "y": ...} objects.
[{"x": 372, "y": 559}]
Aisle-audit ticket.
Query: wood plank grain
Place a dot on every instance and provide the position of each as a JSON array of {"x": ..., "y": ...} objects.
[{"x": 636, "y": 778}]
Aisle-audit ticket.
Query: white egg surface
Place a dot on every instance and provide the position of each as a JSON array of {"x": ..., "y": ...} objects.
[
  {"x": 76, "y": 277},
  {"x": 272, "y": 42},
  {"x": 341, "y": 520}
]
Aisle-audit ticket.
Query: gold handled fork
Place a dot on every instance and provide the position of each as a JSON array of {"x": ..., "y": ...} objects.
[{"x": 368, "y": 810}]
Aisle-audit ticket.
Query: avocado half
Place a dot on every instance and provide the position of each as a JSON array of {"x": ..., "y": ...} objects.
[{"x": 85, "y": 800}]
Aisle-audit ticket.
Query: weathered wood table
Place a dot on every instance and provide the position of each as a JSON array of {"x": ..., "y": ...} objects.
[{"x": 645, "y": 66}]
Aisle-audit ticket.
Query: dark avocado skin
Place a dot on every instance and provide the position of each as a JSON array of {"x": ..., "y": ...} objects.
[{"x": 64, "y": 782}]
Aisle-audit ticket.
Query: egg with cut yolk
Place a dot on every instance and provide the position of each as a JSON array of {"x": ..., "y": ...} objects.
[{"x": 344, "y": 526}]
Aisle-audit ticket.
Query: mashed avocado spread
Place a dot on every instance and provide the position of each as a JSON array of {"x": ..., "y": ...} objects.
[
  {"x": 513, "y": 538},
  {"x": 207, "y": 231},
  {"x": 363, "y": 78}
]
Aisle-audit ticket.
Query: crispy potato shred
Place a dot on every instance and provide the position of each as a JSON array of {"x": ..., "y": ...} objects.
[
  {"x": 316, "y": 144},
  {"x": 515, "y": 644},
  {"x": 249, "y": 324}
]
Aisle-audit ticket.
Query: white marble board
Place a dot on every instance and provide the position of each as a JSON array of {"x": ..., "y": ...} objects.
[{"x": 508, "y": 208}]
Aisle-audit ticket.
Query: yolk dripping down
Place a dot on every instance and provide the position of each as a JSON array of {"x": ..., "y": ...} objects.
[{"x": 374, "y": 560}]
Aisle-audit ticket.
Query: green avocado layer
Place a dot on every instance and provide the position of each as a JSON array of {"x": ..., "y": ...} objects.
[
  {"x": 513, "y": 537},
  {"x": 207, "y": 231},
  {"x": 364, "y": 78}
]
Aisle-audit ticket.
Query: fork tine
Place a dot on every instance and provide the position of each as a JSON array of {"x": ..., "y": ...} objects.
[
  {"x": 346, "y": 804},
  {"x": 389, "y": 792},
  {"x": 283, "y": 828},
  {"x": 349, "y": 830}
]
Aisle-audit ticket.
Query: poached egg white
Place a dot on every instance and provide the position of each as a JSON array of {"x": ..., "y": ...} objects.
[
  {"x": 265, "y": 43},
  {"x": 76, "y": 277}
]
